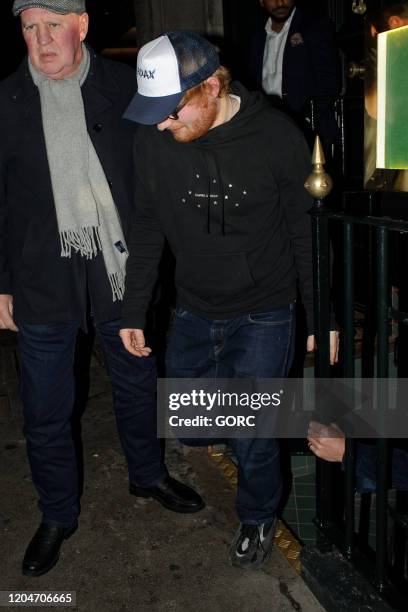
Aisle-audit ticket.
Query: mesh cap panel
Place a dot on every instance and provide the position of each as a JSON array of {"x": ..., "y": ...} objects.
[{"x": 197, "y": 58}]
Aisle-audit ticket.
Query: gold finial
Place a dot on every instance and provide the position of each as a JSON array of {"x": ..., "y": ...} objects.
[{"x": 318, "y": 184}]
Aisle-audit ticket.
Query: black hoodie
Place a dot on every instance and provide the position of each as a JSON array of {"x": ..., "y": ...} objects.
[{"x": 233, "y": 207}]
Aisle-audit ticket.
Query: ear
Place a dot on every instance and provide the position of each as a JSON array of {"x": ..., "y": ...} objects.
[
  {"x": 212, "y": 86},
  {"x": 373, "y": 31},
  {"x": 396, "y": 22},
  {"x": 83, "y": 25}
]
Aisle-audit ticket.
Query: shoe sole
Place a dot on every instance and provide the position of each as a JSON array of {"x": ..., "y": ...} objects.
[
  {"x": 179, "y": 510},
  {"x": 35, "y": 573},
  {"x": 252, "y": 566},
  {"x": 234, "y": 561}
]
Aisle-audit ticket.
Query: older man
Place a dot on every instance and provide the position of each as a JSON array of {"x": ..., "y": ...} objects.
[
  {"x": 222, "y": 179},
  {"x": 65, "y": 203}
]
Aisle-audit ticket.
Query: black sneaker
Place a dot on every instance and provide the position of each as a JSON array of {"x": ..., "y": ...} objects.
[{"x": 252, "y": 544}]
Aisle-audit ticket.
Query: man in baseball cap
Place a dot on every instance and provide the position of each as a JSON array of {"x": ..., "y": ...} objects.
[
  {"x": 220, "y": 174},
  {"x": 167, "y": 67},
  {"x": 66, "y": 198}
]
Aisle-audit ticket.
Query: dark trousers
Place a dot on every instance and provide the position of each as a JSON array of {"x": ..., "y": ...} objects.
[
  {"x": 250, "y": 346},
  {"x": 47, "y": 388}
]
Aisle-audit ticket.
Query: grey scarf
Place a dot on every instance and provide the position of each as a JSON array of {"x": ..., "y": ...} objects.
[{"x": 87, "y": 217}]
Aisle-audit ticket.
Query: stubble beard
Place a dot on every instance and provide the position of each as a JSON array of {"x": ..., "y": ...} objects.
[{"x": 200, "y": 127}]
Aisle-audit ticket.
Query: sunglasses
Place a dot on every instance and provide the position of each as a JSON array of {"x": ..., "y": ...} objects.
[{"x": 175, "y": 114}]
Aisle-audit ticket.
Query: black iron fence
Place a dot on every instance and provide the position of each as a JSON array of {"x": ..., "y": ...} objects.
[{"x": 384, "y": 566}]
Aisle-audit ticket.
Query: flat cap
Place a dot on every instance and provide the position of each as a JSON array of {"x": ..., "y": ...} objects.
[{"x": 55, "y": 6}]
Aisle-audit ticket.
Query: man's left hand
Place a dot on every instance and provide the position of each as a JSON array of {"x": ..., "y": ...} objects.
[
  {"x": 326, "y": 441},
  {"x": 134, "y": 342},
  {"x": 334, "y": 346}
]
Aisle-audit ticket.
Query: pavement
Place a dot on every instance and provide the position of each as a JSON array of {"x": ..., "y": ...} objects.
[{"x": 129, "y": 553}]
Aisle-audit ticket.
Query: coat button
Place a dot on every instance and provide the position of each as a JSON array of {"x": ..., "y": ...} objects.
[{"x": 98, "y": 127}]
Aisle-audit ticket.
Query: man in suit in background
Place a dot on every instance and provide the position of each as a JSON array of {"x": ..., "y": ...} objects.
[{"x": 293, "y": 59}]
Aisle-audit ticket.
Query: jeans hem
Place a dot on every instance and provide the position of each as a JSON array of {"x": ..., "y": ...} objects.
[
  {"x": 64, "y": 525},
  {"x": 152, "y": 483},
  {"x": 264, "y": 521}
]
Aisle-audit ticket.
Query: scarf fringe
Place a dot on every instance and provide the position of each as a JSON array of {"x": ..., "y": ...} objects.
[
  {"x": 84, "y": 240},
  {"x": 87, "y": 243},
  {"x": 117, "y": 281}
]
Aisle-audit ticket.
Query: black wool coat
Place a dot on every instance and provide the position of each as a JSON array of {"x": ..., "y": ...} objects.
[
  {"x": 309, "y": 70},
  {"x": 45, "y": 286},
  {"x": 309, "y": 60}
]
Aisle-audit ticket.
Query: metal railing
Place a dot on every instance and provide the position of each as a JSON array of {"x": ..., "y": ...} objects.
[{"x": 377, "y": 565}]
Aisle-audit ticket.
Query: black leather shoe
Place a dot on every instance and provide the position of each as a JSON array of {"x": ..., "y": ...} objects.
[
  {"x": 172, "y": 494},
  {"x": 44, "y": 549}
]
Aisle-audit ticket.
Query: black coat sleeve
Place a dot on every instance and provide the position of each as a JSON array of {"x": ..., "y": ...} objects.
[
  {"x": 145, "y": 245},
  {"x": 5, "y": 284},
  {"x": 293, "y": 169}
]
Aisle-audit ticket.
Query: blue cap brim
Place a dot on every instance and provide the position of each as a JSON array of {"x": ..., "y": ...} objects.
[{"x": 149, "y": 110}]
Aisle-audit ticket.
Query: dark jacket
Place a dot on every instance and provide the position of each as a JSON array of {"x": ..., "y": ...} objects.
[
  {"x": 45, "y": 286},
  {"x": 309, "y": 60},
  {"x": 233, "y": 207},
  {"x": 309, "y": 68}
]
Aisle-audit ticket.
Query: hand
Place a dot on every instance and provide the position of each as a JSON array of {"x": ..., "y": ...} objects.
[
  {"x": 6, "y": 313},
  {"x": 334, "y": 346},
  {"x": 326, "y": 441},
  {"x": 134, "y": 342}
]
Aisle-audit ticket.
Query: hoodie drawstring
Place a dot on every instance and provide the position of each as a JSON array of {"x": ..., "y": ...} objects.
[
  {"x": 211, "y": 157},
  {"x": 222, "y": 194}
]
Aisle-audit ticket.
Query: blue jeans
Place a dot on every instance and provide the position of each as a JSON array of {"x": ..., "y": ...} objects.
[
  {"x": 366, "y": 467},
  {"x": 257, "y": 345},
  {"x": 47, "y": 389}
]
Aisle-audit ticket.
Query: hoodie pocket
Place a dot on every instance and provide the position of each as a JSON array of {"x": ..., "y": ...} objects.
[{"x": 213, "y": 278}]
